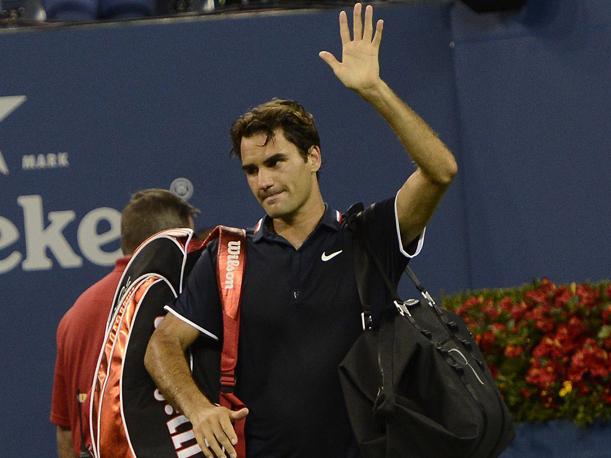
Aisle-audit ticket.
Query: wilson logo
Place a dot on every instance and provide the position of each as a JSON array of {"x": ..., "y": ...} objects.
[{"x": 233, "y": 262}]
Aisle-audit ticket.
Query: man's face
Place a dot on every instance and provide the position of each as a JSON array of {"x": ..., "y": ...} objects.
[{"x": 280, "y": 179}]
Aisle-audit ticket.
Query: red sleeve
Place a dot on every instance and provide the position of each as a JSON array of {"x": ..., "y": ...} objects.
[{"x": 59, "y": 403}]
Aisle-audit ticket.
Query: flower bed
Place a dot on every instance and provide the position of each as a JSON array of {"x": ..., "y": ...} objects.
[{"x": 547, "y": 345}]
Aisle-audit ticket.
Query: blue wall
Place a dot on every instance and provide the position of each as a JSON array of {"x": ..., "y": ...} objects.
[
  {"x": 522, "y": 99},
  {"x": 534, "y": 94}
]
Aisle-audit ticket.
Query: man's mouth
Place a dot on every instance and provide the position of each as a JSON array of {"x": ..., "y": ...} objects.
[{"x": 270, "y": 196}]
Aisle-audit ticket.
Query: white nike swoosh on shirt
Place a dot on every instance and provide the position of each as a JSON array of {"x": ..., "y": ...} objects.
[{"x": 325, "y": 257}]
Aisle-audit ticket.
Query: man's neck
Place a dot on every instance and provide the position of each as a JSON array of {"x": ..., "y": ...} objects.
[{"x": 298, "y": 228}]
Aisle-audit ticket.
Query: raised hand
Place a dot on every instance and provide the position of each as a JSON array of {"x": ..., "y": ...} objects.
[{"x": 359, "y": 69}]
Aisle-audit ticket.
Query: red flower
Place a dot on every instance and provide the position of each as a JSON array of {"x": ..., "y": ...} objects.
[
  {"x": 544, "y": 348},
  {"x": 591, "y": 360},
  {"x": 569, "y": 336},
  {"x": 513, "y": 351},
  {"x": 498, "y": 327},
  {"x": 506, "y": 304},
  {"x": 563, "y": 296},
  {"x": 491, "y": 311},
  {"x": 545, "y": 324},
  {"x": 470, "y": 323},
  {"x": 543, "y": 377},
  {"x": 518, "y": 310},
  {"x": 467, "y": 305},
  {"x": 576, "y": 327},
  {"x": 487, "y": 341},
  {"x": 588, "y": 296},
  {"x": 535, "y": 297}
]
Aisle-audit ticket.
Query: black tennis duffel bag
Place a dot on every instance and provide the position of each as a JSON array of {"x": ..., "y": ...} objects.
[{"x": 416, "y": 384}]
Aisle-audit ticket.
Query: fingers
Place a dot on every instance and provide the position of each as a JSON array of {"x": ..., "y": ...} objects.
[
  {"x": 344, "y": 33},
  {"x": 377, "y": 38},
  {"x": 357, "y": 23},
  {"x": 329, "y": 59},
  {"x": 216, "y": 445},
  {"x": 361, "y": 30},
  {"x": 227, "y": 428},
  {"x": 368, "y": 31},
  {"x": 215, "y": 433},
  {"x": 239, "y": 414},
  {"x": 226, "y": 445},
  {"x": 211, "y": 448}
]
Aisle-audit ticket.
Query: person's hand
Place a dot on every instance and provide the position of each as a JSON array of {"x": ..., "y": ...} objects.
[
  {"x": 359, "y": 69},
  {"x": 214, "y": 430}
]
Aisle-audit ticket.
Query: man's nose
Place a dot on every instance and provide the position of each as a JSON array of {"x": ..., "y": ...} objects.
[{"x": 264, "y": 179}]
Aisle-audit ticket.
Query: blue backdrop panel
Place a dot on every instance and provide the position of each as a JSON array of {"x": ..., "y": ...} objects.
[
  {"x": 115, "y": 108},
  {"x": 534, "y": 101}
]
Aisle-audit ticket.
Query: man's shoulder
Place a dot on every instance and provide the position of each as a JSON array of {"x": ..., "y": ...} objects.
[
  {"x": 374, "y": 213},
  {"x": 95, "y": 300},
  {"x": 104, "y": 287}
]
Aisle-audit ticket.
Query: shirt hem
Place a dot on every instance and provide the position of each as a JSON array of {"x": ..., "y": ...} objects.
[{"x": 190, "y": 323}]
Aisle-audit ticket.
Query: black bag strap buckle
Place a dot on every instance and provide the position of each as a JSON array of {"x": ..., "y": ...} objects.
[
  {"x": 428, "y": 298},
  {"x": 402, "y": 307},
  {"x": 366, "y": 321}
]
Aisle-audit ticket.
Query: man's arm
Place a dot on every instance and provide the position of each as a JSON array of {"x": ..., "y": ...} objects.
[
  {"x": 165, "y": 361},
  {"x": 64, "y": 442},
  {"x": 436, "y": 166}
]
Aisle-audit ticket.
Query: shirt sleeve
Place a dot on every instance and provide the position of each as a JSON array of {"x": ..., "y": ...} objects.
[
  {"x": 415, "y": 246},
  {"x": 198, "y": 305},
  {"x": 59, "y": 404},
  {"x": 380, "y": 226}
]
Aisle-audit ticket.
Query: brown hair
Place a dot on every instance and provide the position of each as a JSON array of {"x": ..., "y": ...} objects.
[
  {"x": 150, "y": 211},
  {"x": 296, "y": 123}
]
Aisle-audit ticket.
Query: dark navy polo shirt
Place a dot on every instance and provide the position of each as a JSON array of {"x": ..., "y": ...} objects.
[{"x": 300, "y": 314}]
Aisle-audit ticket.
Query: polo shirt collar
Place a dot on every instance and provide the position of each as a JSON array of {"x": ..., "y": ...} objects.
[{"x": 330, "y": 218}]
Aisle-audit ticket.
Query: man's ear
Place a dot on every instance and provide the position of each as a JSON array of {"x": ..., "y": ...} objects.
[{"x": 314, "y": 158}]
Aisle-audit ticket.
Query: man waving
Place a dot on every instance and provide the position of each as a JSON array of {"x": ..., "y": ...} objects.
[{"x": 300, "y": 309}]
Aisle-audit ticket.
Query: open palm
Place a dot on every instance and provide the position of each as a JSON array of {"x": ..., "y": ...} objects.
[{"x": 359, "y": 68}]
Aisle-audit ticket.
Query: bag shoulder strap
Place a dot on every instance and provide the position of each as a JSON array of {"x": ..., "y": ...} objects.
[
  {"x": 230, "y": 265},
  {"x": 364, "y": 251}
]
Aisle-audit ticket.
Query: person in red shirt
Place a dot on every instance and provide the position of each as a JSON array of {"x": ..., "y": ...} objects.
[{"x": 81, "y": 330}]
